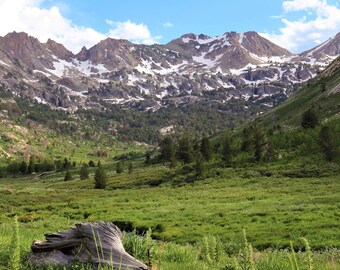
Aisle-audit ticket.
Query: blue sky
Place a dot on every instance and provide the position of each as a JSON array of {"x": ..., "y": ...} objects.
[
  {"x": 294, "y": 24},
  {"x": 212, "y": 17}
]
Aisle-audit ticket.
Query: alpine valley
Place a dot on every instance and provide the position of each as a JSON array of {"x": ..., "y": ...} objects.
[{"x": 207, "y": 152}]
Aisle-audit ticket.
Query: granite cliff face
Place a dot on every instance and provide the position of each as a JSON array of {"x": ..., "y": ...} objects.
[{"x": 236, "y": 66}]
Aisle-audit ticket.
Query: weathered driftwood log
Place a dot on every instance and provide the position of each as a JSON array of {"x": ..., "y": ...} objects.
[{"x": 97, "y": 243}]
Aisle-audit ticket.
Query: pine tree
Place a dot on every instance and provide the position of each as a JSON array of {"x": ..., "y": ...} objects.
[
  {"x": 246, "y": 140},
  {"x": 130, "y": 168},
  {"x": 173, "y": 160},
  {"x": 258, "y": 139},
  {"x": 68, "y": 176},
  {"x": 254, "y": 139},
  {"x": 23, "y": 167},
  {"x": 185, "y": 151},
  {"x": 199, "y": 166},
  {"x": 309, "y": 119},
  {"x": 327, "y": 142},
  {"x": 31, "y": 165},
  {"x": 269, "y": 154},
  {"x": 84, "y": 172},
  {"x": 119, "y": 167},
  {"x": 226, "y": 150},
  {"x": 323, "y": 87},
  {"x": 100, "y": 179},
  {"x": 167, "y": 149},
  {"x": 147, "y": 157},
  {"x": 205, "y": 148},
  {"x": 66, "y": 164}
]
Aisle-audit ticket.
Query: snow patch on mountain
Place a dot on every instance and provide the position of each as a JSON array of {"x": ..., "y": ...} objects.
[
  {"x": 60, "y": 68},
  {"x": 132, "y": 79},
  {"x": 271, "y": 59},
  {"x": 225, "y": 84},
  {"x": 40, "y": 100},
  {"x": 103, "y": 80},
  {"x": 202, "y": 60},
  {"x": 42, "y": 72},
  {"x": 123, "y": 100},
  {"x": 208, "y": 63},
  {"x": 240, "y": 40},
  {"x": 163, "y": 94},
  {"x": 145, "y": 66},
  {"x": 4, "y": 64},
  {"x": 173, "y": 69},
  {"x": 225, "y": 42},
  {"x": 143, "y": 90},
  {"x": 186, "y": 40},
  {"x": 243, "y": 70},
  {"x": 203, "y": 41},
  {"x": 207, "y": 87},
  {"x": 88, "y": 68}
]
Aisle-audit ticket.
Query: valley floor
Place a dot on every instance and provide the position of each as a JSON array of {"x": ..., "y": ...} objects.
[{"x": 273, "y": 210}]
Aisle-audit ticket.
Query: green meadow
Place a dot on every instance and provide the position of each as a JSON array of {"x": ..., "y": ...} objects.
[{"x": 272, "y": 208}]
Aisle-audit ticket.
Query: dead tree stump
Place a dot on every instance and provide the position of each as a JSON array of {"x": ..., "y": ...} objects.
[{"x": 99, "y": 243}]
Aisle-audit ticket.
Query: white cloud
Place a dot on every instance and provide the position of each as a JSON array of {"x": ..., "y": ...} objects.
[
  {"x": 168, "y": 25},
  {"x": 303, "y": 33},
  {"x": 29, "y": 16},
  {"x": 296, "y": 5},
  {"x": 136, "y": 33}
]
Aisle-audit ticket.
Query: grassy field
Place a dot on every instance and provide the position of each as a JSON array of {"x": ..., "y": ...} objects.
[{"x": 273, "y": 209}]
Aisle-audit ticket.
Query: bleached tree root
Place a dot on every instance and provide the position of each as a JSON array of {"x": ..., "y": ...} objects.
[{"x": 99, "y": 243}]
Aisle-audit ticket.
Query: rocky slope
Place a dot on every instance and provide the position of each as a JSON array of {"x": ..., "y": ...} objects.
[
  {"x": 236, "y": 66},
  {"x": 325, "y": 52},
  {"x": 321, "y": 94}
]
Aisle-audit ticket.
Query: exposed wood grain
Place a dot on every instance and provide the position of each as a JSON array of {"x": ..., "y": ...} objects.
[{"x": 97, "y": 243}]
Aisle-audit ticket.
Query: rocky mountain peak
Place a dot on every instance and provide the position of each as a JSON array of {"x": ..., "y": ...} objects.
[
  {"x": 203, "y": 37},
  {"x": 107, "y": 52},
  {"x": 231, "y": 35},
  {"x": 26, "y": 49},
  {"x": 83, "y": 54},
  {"x": 19, "y": 36},
  {"x": 21, "y": 44},
  {"x": 331, "y": 47},
  {"x": 326, "y": 51},
  {"x": 113, "y": 43},
  {"x": 261, "y": 46},
  {"x": 230, "y": 50},
  {"x": 58, "y": 50},
  {"x": 188, "y": 36}
]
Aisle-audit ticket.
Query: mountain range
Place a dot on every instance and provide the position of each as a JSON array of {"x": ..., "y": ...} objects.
[{"x": 190, "y": 69}]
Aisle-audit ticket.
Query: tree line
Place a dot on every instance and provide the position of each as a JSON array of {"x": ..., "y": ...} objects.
[{"x": 257, "y": 142}]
